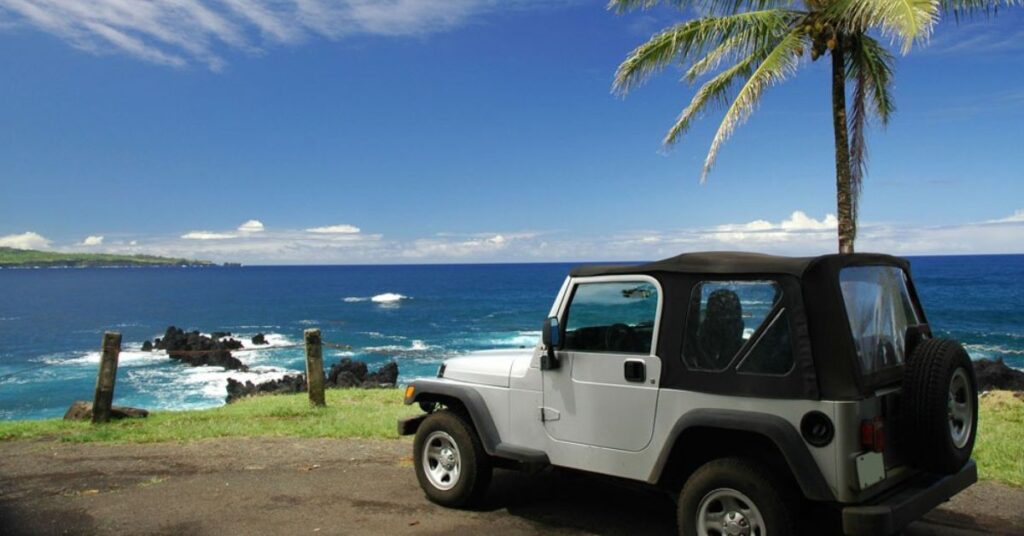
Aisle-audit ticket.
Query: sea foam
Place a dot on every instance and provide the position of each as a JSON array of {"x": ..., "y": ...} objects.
[{"x": 382, "y": 299}]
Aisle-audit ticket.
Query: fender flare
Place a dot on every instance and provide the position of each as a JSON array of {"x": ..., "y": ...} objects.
[
  {"x": 474, "y": 403},
  {"x": 481, "y": 417},
  {"x": 776, "y": 429}
]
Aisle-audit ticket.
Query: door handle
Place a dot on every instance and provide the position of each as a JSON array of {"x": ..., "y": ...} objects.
[{"x": 634, "y": 371}]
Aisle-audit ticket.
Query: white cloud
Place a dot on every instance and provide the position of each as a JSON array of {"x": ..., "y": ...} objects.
[
  {"x": 799, "y": 221},
  {"x": 92, "y": 240},
  {"x": 1017, "y": 216},
  {"x": 184, "y": 32},
  {"x": 797, "y": 234},
  {"x": 251, "y": 226},
  {"x": 334, "y": 229},
  {"x": 452, "y": 247},
  {"x": 26, "y": 240},
  {"x": 207, "y": 235}
]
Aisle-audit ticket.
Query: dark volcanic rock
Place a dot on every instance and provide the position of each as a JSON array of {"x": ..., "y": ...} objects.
[
  {"x": 287, "y": 384},
  {"x": 347, "y": 373},
  {"x": 994, "y": 374},
  {"x": 386, "y": 376},
  {"x": 196, "y": 349},
  {"x": 82, "y": 411},
  {"x": 147, "y": 346},
  {"x": 357, "y": 369},
  {"x": 260, "y": 339},
  {"x": 220, "y": 334}
]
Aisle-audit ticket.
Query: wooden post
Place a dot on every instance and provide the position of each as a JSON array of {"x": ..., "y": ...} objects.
[
  {"x": 315, "y": 368},
  {"x": 105, "y": 379}
]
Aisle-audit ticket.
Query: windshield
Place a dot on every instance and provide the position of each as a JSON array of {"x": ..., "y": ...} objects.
[{"x": 880, "y": 310}]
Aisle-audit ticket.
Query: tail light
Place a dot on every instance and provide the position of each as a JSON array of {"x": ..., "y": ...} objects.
[{"x": 872, "y": 435}]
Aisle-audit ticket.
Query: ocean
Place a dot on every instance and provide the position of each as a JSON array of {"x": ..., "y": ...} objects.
[{"x": 52, "y": 320}]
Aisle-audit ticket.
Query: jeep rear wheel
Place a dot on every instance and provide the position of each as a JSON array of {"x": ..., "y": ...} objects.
[
  {"x": 734, "y": 497},
  {"x": 451, "y": 465},
  {"x": 940, "y": 405}
]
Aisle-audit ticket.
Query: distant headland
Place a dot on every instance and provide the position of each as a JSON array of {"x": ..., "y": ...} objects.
[{"x": 28, "y": 258}]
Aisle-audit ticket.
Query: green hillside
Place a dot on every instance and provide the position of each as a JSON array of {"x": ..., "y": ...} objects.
[{"x": 27, "y": 258}]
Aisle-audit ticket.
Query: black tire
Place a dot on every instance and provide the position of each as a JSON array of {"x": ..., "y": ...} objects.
[
  {"x": 474, "y": 465},
  {"x": 770, "y": 496},
  {"x": 929, "y": 417}
]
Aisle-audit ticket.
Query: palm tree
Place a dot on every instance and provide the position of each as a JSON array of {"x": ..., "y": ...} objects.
[{"x": 760, "y": 43}]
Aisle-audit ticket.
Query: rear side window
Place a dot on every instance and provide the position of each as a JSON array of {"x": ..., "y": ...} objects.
[
  {"x": 723, "y": 316},
  {"x": 616, "y": 317},
  {"x": 879, "y": 308}
]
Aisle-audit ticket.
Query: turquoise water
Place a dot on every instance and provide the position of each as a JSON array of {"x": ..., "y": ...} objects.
[{"x": 53, "y": 320}]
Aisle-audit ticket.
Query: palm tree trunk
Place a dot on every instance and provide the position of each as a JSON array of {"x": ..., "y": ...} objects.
[{"x": 844, "y": 194}]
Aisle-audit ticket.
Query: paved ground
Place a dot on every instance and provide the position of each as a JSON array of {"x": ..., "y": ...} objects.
[{"x": 316, "y": 486}]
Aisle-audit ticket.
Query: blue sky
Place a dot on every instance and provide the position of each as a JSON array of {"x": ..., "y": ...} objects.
[{"x": 465, "y": 131}]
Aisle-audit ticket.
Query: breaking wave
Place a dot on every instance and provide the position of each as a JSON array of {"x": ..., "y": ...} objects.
[{"x": 387, "y": 297}]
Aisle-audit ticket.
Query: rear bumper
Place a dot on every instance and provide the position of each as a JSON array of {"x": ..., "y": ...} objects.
[{"x": 907, "y": 503}]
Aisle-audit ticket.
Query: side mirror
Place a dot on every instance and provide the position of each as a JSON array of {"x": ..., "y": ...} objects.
[{"x": 551, "y": 337}]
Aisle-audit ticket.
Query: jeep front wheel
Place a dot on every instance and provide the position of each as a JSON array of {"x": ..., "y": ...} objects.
[
  {"x": 451, "y": 465},
  {"x": 735, "y": 497}
]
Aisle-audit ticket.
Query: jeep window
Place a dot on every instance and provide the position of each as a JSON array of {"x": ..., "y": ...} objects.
[
  {"x": 879, "y": 308},
  {"x": 612, "y": 317},
  {"x": 723, "y": 316},
  {"x": 772, "y": 352}
]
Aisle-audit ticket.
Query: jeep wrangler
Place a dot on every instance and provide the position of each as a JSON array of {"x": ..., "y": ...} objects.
[{"x": 750, "y": 386}]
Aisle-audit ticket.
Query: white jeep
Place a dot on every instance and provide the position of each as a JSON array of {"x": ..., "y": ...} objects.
[{"x": 748, "y": 385}]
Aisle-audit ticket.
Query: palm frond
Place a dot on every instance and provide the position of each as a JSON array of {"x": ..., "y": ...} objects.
[
  {"x": 683, "y": 41},
  {"x": 780, "y": 62},
  {"x": 721, "y": 7},
  {"x": 869, "y": 66},
  {"x": 960, "y": 8},
  {"x": 905, "y": 21},
  {"x": 715, "y": 90},
  {"x": 740, "y": 45}
]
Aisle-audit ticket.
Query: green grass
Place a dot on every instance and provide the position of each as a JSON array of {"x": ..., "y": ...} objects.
[
  {"x": 10, "y": 257},
  {"x": 349, "y": 413},
  {"x": 372, "y": 414},
  {"x": 999, "y": 449}
]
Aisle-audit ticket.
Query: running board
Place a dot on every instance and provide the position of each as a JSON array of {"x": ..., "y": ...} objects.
[{"x": 521, "y": 454}]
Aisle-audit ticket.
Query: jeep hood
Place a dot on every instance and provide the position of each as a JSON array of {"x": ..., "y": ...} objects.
[{"x": 490, "y": 367}]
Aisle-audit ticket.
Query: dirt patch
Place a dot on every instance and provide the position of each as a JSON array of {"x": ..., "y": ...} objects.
[{"x": 325, "y": 486}]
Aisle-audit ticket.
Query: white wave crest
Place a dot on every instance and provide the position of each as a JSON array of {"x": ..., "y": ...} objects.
[
  {"x": 388, "y": 297},
  {"x": 520, "y": 338},
  {"x": 416, "y": 346},
  {"x": 990, "y": 351},
  {"x": 194, "y": 387},
  {"x": 134, "y": 357}
]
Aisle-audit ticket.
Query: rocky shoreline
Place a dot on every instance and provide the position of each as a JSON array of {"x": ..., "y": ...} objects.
[
  {"x": 345, "y": 374},
  {"x": 995, "y": 375}
]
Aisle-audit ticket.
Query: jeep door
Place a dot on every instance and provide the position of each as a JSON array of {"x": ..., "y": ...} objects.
[{"x": 605, "y": 390}]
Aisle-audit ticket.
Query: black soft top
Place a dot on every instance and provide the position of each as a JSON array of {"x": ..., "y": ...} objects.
[
  {"x": 825, "y": 352},
  {"x": 737, "y": 262}
]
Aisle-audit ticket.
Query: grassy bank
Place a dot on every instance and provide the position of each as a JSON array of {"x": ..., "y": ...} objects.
[
  {"x": 349, "y": 413},
  {"x": 372, "y": 414},
  {"x": 999, "y": 449}
]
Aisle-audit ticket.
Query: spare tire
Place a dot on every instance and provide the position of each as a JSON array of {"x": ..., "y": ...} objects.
[{"x": 940, "y": 405}]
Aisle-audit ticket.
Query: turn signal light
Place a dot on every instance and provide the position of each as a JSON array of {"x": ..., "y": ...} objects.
[
  {"x": 872, "y": 435},
  {"x": 409, "y": 391}
]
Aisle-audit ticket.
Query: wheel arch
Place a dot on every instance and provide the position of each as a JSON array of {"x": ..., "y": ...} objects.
[
  {"x": 463, "y": 399},
  {"x": 705, "y": 434}
]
